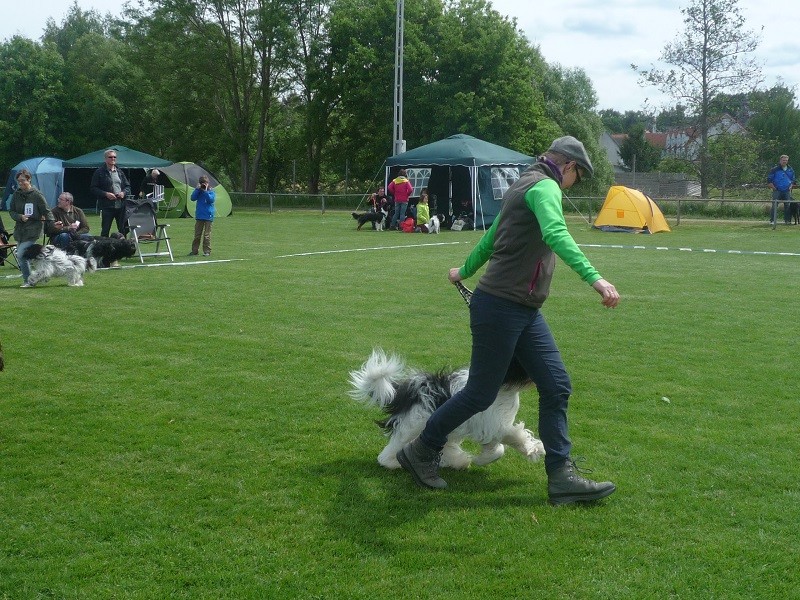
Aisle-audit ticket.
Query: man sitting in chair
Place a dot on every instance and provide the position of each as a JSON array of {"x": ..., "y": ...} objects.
[{"x": 69, "y": 221}]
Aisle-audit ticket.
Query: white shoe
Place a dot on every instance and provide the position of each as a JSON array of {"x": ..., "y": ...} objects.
[
  {"x": 26, "y": 285},
  {"x": 114, "y": 265}
]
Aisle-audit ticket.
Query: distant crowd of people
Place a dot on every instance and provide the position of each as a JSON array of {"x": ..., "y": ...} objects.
[
  {"x": 397, "y": 211},
  {"x": 110, "y": 186}
]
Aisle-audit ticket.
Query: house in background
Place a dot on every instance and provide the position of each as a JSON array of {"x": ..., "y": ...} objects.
[
  {"x": 684, "y": 142},
  {"x": 612, "y": 142},
  {"x": 611, "y": 146}
]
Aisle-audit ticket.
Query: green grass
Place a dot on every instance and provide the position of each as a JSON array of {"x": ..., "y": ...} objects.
[{"x": 184, "y": 432}]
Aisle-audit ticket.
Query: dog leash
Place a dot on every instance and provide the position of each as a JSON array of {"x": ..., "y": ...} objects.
[{"x": 465, "y": 292}]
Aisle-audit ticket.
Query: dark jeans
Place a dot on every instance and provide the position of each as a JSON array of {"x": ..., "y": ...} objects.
[
  {"x": 108, "y": 216},
  {"x": 502, "y": 329},
  {"x": 778, "y": 196}
]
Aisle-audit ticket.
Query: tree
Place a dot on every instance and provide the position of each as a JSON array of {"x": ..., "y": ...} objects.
[
  {"x": 733, "y": 159},
  {"x": 776, "y": 123},
  {"x": 31, "y": 88},
  {"x": 712, "y": 55},
  {"x": 637, "y": 153}
]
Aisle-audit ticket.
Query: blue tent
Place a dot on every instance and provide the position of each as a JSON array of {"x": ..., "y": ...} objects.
[
  {"x": 465, "y": 174},
  {"x": 46, "y": 176}
]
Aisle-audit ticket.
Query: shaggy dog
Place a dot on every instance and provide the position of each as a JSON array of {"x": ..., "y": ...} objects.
[
  {"x": 49, "y": 261},
  {"x": 104, "y": 250},
  {"x": 409, "y": 397},
  {"x": 376, "y": 218},
  {"x": 110, "y": 250}
]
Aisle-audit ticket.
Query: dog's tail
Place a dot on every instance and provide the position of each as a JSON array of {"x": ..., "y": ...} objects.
[
  {"x": 91, "y": 262},
  {"x": 376, "y": 381}
]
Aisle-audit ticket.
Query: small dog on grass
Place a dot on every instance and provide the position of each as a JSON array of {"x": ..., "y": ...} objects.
[
  {"x": 48, "y": 261},
  {"x": 409, "y": 397},
  {"x": 377, "y": 218}
]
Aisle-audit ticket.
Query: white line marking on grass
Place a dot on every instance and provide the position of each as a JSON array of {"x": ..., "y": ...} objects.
[
  {"x": 18, "y": 275},
  {"x": 176, "y": 264},
  {"x": 679, "y": 249},
  {"x": 369, "y": 249}
]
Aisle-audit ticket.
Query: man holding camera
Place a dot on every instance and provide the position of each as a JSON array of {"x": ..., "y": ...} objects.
[{"x": 204, "y": 216}]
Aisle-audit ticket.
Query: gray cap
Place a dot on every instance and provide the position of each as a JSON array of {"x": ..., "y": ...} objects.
[{"x": 573, "y": 149}]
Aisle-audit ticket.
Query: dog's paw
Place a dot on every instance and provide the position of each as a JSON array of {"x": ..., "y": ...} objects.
[{"x": 489, "y": 454}]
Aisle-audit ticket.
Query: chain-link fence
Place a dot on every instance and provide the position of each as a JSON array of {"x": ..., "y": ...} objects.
[{"x": 674, "y": 208}]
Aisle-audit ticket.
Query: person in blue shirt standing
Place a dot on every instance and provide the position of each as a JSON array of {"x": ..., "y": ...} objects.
[
  {"x": 204, "y": 216},
  {"x": 781, "y": 180}
]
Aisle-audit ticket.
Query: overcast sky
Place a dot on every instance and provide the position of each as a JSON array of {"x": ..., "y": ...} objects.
[{"x": 602, "y": 37}]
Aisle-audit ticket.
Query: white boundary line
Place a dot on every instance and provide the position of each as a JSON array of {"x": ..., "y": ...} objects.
[
  {"x": 369, "y": 249},
  {"x": 610, "y": 246},
  {"x": 138, "y": 266},
  {"x": 679, "y": 249}
]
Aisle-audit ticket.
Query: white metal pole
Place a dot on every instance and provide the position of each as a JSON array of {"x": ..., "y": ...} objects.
[{"x": 397, "y": 134}]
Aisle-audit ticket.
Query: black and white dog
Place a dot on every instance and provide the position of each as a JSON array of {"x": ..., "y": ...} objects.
[
  {"x": 48, "y": 261},
  {"x": 104, "y": 250},
  {"x": 377, "y": 218},
  {"x": 409, "y": 397}
]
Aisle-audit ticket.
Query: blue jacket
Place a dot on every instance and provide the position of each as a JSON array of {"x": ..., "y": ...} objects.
[
  {"x": 205, "y": 204},
  {"x": 782, "y": 180}
]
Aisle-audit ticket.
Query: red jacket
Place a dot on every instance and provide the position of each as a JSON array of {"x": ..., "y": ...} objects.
[{"x": 401, "y": 189}]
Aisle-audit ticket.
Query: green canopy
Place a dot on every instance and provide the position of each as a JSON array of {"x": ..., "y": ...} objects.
[
  {"x": 184, "y": 177},
  {"x": 126, "y": 159},
  {"x": 462, "y": 174}
]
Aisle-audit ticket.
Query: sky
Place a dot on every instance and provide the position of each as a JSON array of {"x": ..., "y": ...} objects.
[{"x": 603, "y": 37}]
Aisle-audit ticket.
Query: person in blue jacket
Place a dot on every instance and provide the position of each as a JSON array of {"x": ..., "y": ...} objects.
[
  {"x": 780, "y": 180},
  {"x": 204, "y": 216}
]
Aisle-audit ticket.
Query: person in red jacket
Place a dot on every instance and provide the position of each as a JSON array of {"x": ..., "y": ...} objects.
[{"x": 400, "y": 187}]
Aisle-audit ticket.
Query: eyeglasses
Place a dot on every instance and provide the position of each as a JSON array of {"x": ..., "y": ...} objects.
[{"x": 578, "y": 174}]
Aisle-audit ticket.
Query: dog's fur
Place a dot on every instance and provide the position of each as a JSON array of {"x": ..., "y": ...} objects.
[
  {"x": 48, "y": 261},
  {"x": 409, "y": 397},
  {"x": 378, "y": 218},
  {"x": 104, "y": 250}
]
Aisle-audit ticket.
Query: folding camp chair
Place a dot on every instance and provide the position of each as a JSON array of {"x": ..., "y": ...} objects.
[
  {"x": 8, "y": 249},
  {"x": 8, "y": 252},
  {"x": 140, "y": 218}
]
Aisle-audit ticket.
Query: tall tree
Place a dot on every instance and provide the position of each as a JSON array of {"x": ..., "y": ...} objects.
[
  {"x": 31, "y": 87},
  {"x": 714, "y": 54},
  {"x": 236, "y": 52},
  {"x": 637, "y": 153},
  {"x": 776, "y": 123}
]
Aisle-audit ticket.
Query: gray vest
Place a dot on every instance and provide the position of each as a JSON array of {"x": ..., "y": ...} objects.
[{"x": 521, "y": 266}]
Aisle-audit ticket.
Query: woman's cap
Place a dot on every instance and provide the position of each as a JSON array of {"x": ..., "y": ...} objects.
[{"x": 573, "y": 149}]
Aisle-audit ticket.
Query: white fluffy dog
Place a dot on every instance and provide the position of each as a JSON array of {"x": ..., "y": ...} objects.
[
  {"x": 48, "y": 261},
  {"x": 409, "y": 397}
]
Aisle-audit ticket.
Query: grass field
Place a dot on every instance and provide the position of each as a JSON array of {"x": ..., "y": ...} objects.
[{"x": 185, "y": 432}]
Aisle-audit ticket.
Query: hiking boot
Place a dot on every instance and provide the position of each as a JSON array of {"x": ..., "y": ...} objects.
[
  {"x": 422, "y": 462},
  {"x": 565, "y": 485}
]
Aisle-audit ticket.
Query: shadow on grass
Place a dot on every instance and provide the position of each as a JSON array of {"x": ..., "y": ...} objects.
[{"x": 373, "y": 506}]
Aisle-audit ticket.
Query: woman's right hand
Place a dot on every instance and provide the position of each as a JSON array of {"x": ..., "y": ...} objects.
[{"x": 454, "y": 275}]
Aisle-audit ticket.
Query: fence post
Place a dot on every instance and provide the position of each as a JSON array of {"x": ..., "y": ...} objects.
[
  {"x": 678, "y": 220},
  {"x": 270, "y": 203},
  {"x": 774, "y": 214},
  {"x": 322, "y": 197}
]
